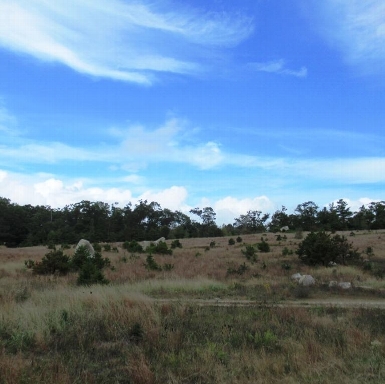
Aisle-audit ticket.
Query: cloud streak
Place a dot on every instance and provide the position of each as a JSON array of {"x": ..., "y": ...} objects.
[
  {"x": 121, "y": 40},
  {"x": 356, "y": 28},
  {"x": 278, "y": 67}
]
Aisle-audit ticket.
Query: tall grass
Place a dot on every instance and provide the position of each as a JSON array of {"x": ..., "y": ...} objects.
[{"x": 52, "y": 331}]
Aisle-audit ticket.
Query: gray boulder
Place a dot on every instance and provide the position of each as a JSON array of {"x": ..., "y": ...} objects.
[
  {"x": 88, "y": 245},
  {"x": 306, "y": 280},
  {"x": 345, "y": 285},
  {"x": 296, "y": 277}
]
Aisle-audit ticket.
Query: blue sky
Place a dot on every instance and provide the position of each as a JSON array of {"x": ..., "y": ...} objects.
[{"x": 252, "y": 104}]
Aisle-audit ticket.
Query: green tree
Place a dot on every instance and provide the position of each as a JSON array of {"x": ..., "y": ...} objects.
[{"x": 322, "y": 248}]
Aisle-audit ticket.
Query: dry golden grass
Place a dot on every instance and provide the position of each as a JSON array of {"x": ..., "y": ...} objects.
[{"x": 52, "y": 330}]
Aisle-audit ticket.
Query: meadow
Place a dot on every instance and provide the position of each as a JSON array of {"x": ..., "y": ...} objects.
[{"x": 207, "y": 315}]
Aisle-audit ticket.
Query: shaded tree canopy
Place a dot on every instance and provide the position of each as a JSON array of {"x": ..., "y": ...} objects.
[{"x": 25, "y": 225}]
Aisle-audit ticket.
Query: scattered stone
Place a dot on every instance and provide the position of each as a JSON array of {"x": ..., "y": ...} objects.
[
  {"x": 284, "y": 229},
  {"x": 306, "y": 280},
  {"x": 296, "y": 277},
  {"x": 88, "y": 245},
  {"x": 376, "y": 344},
  {"x": 342, "y": 284},
  {"x": 345, "y": 285},
  {"x": 332, "y": 264}
]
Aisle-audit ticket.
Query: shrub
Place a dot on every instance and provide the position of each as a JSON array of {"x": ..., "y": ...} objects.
[
  {"x": 160, "y": 248},
  {"x": 132, "y": 246},
  {"x": 107, "y": 247},
  {"x": 151, "y": 264},
  {"x": 168, "y": 267},
  {"x": 239, "y": 239},
  {"x": 231, "y": 241},
  {"x": 286, "y": 266},
  {"x": 90, "y": 274},
  {"x": 176, "y": 244},
  {"x": 264, "y": 246},
  {"x": 239, "y": 271},
  {"x": 80, "y": 257},
  {"x": 286, "y": 251},
  {"x": 29, "y": 263},
  {"x": 212, "y": 244},
  {"x": 250, "y": 253},
  {"x": 53, "y": 262},
  {"x": 97, "y": 247},
  {"x": 321, "y": 248}
]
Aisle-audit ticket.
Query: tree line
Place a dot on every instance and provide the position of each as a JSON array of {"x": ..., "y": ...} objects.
[{"x": 27, "y": 225}]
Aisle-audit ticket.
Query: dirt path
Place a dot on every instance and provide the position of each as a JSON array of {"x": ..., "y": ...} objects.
[{"x": 332, "y": 302}]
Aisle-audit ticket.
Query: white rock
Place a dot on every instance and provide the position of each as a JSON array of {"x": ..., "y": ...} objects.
[
  {"x": 296, "y": 276},
  {"x": 306, "y": 280},
  {"x": 345, "y": 285},
  {"x": 88, "y": 245}
]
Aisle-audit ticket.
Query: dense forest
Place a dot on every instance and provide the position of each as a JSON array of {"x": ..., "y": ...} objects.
[{"x": 29, "y": 225}]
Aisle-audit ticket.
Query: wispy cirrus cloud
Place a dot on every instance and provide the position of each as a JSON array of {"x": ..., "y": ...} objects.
[
  {"x": 278, "y": 67},
  {"x": 356, "y": 28},
  {"x": 122, "y": 40}
]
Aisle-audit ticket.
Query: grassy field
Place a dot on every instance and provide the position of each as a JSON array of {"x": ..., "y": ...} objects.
[{"x": 210, "y": 317}]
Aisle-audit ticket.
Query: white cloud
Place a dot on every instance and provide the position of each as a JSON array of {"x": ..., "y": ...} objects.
[
  {"x": 356, "y": 28},
  {"x": 355, "y": 205},
  {"x": 349, "y": 171},
  {"x": 173, "y": 198},
  {"x": 122, "y": 40},
  {"x": 279, "y": 68},
  {"x": 229, "y": 208},
  {"x": 48, "y": 190}
]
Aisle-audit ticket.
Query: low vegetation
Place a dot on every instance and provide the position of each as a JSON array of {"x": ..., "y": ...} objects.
[{"x": 231, "y": 314}]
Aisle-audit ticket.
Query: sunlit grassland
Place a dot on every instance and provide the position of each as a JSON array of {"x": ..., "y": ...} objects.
[{"x": 150, "y": 327}]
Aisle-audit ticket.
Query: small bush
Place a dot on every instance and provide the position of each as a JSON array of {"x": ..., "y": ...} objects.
[
  {"x": 286, "y": 251},
  {"x": 132, "y": 246},
  {"x": 29, "y": 263},
  {"x": 239, "y": 239},
  {"x": 286, "y": 266},
  {"x": 53, "y": 262},
  {"x": 168, "y": 267},
  {"x": 136, "y": 333},
  {"x": 90, "y": 274},
  {"x": 264, "y": 246},
  {"x": 321, "y": 248},
  {"x": 231, "y": 241},
  {"x": 212, "y": 244},
  {"x": 97, "y": 247},
  {"x": 176, "y": 244},
  {"x": 160, "y": 248},
  {"x": 239, "y": 271},
  {"x": 107, "y": 247},
  {"x": 250, "y": 253},
  {"x": 151, "y": 264}
]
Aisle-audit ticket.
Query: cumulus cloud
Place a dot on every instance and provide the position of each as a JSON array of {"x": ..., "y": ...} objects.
[
  {"x": 121, "y": 40},
  {"x": 49, "y": 190},
  {"x": 278, "y": 67},
  {"x": 229, "y": 208}
]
